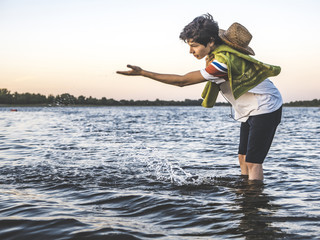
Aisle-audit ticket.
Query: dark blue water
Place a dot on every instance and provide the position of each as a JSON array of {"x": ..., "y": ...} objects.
[{"x": 153, "y": 173}]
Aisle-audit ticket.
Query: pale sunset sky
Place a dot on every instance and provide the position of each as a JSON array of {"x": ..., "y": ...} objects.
[{"x": 76, "y": 46}]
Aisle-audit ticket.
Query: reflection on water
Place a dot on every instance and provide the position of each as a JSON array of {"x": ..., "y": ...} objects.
[
  {"x": 258, "y": 213},
  {"x": 162, "y": 173}
]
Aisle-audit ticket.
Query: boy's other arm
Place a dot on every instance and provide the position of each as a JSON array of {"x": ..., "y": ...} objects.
[{"x": 172, "y": 79}]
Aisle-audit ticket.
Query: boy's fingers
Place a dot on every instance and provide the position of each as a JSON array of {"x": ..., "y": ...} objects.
[
  {"x": 132, "y": 67},
  {"x": 123, "y": 72},
  {"x": 130, "y": 72}
]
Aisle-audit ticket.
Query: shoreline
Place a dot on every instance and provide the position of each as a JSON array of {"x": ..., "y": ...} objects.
[{"x": 151, "y": 105}]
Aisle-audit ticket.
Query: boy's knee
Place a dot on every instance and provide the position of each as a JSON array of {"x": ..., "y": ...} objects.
[
  {"x": 253, "y": 165},
  {"x": 242, "y": 157}
]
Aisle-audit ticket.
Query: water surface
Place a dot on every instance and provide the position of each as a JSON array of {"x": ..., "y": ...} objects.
[{"x": 153, "y": 173}]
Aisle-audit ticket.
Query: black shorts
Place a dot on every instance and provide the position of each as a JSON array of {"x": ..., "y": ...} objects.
[{"x": 256, "y": 135}]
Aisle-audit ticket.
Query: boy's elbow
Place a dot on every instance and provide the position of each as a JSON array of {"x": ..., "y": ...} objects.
[{"x": 184, "y": 81}]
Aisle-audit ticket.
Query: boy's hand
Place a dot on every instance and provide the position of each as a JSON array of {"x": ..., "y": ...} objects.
[{"x": 135, "y": 71}]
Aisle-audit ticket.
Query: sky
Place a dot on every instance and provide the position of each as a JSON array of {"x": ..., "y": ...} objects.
[{"x": 76, "y": 46}]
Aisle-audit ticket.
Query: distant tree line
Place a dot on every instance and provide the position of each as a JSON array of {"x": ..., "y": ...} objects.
[
  {"x": 312, "y": 103},
  {"x": 66, "y": 99}
]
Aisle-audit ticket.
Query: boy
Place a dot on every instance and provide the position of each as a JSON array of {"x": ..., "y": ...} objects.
[{"x": 242, "y": 80}]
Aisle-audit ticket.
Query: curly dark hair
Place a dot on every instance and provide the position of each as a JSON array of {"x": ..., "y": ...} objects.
[{"x": 202, "y": 29}]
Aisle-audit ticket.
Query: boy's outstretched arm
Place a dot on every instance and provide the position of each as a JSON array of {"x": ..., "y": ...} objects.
[{"x": 173, "y": 79}]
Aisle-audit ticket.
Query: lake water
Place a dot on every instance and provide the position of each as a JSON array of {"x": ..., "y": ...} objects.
[{"x": 153, "y": 173}]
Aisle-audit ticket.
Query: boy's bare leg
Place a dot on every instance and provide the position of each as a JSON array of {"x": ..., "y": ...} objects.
[
  {"x": 255, "y": 171},
  {"x": 243, "y": 164}
]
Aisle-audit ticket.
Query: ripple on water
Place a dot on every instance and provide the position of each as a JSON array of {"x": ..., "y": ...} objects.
[{"x": 162, "y": 173}]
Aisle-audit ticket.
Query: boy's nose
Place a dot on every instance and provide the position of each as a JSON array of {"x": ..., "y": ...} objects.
[{"x": 191, "y": 51}]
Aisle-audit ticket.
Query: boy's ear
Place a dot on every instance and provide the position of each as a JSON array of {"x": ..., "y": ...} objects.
[{"x": 211, "y": 43}]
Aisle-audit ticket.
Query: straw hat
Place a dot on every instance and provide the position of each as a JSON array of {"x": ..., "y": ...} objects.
[{"x": 238, "y": 37}]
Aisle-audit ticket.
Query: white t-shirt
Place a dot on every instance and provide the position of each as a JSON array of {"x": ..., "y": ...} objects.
[{"x": 264, "y": 98}]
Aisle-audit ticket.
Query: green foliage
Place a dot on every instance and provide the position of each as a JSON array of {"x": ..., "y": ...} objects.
[
  {"x": 66, "y": 99},
  {"x": 5, "y": 96},
  {"x": 312, "y": 103}
]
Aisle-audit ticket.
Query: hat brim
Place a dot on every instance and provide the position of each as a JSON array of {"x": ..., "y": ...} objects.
[{"x": 247, "y": 50}]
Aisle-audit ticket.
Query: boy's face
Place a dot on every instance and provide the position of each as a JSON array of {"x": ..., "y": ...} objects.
[{"x": 198, "y": 50}]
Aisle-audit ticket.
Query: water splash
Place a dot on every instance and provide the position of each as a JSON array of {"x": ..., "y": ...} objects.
[{"x": 152, "y": 162}]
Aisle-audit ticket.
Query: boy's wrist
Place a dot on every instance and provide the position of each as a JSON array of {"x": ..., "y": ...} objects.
[{"x": 145, "y": 73}]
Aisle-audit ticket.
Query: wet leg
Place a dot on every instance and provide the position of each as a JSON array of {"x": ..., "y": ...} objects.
[
  {"x": 243, "y": 164},
  {"x": 255, "y": 171}
]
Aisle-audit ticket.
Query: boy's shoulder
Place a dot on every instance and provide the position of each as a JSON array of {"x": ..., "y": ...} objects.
[{"x": 227, "y": 54}]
